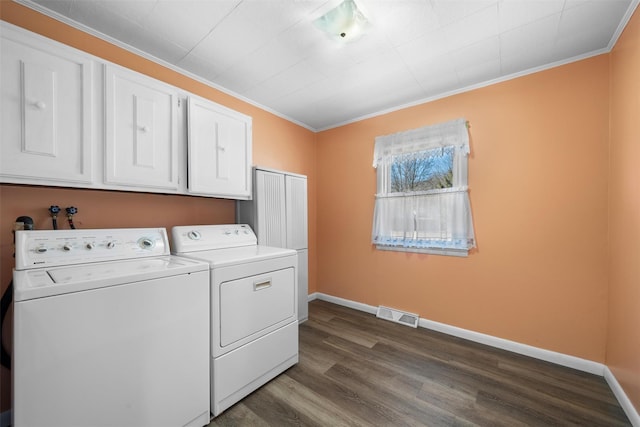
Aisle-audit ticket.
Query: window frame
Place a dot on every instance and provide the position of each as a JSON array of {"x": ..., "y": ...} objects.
[{"x": 383, "y": 159}]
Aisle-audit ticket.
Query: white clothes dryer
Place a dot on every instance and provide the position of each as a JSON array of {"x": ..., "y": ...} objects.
[
  {"x": 109, "y": 330},
  {"x": 254, "y": 319}
]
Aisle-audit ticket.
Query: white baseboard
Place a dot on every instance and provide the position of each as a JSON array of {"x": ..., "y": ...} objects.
[
  {"x": 623, "y": 399},
  {"x": 512, "y": 346},
  {"x": 347, "y": 303},
  {"x": 516, "y": 347},
  {"x": 5, "y": 418}
]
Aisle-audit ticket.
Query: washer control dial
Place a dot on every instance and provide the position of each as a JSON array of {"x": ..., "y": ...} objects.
[
  {"x": 194, "y": 235},
  {"x": 146, "y": 243}
]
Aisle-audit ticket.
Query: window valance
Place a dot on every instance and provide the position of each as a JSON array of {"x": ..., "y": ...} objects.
[{"x": 452, "y": 133}]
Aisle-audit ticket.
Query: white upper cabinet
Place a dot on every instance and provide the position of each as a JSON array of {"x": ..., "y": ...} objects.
[
  {"x": 141, "y": 137},
  {"x": 219, "y": 150},
  {"x": 70, "y": 119},
  {"x": 46, "y": 112}
]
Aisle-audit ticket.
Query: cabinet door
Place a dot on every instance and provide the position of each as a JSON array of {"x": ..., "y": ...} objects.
[
  {"x": 141, "y": 136},
  {"x": 45, "y": 136},
  {"x": 296, "y": 190},
  {"x": 271, "y": 213},
  {"x": 219, "y": 150}
]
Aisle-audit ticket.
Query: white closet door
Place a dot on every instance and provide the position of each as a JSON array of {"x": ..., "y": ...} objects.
[
  {"x": 296, "y": 188},
  {"x": 271, "y": 209}
]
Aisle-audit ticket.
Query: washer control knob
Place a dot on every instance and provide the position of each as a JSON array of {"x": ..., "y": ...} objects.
[
  {"x": 41, "y": 249},
  {"x": 67, "y": 247},
  {"x": 111, "y": 244},
  {"x": 90, "y": 246},
  {"x": 194, "y": 235},
  {"x": 146, "y": 243}
]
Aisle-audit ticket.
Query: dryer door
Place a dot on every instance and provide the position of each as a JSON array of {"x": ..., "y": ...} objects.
[{"x": 255, "y": 305}]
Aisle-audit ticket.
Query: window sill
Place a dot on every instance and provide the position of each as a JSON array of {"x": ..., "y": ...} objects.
[{"x": 431, "y": 251}]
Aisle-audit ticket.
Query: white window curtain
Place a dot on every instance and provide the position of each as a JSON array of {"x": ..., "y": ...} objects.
[{"x": 438, "y": 219}]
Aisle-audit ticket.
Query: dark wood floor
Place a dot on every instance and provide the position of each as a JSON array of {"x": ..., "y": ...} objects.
[{"x": 357, "y": 370}]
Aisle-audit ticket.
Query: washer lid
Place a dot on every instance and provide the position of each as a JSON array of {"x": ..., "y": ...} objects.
[
  {"x": 38, "y": 283},
  {"x": 243, "y": 254}
]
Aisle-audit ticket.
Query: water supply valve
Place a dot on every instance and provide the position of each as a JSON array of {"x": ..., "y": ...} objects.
[
  {"x": 54, "y": 210},
  {"x": 71, "y": 211}
]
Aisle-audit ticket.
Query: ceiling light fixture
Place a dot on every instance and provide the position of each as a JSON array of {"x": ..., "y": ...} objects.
[{"x": 344, "y": 22}]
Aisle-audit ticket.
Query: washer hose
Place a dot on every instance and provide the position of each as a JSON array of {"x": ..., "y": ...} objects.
[
  {"x": 54, "y": 210},
  {"x": 7, "y": 297}
]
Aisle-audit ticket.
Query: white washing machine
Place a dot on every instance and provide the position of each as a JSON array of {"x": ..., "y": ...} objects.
[
  {"x": 254, "y": 319},
  {"x": 109, "y": 330}
]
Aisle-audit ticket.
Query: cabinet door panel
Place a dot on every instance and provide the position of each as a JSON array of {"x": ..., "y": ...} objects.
[
  {"x": 46, "y": 114},
  {"x": 219, "y": 150},
  {"x": 39, "y": 109},
  {"x": 141, "y": 134}
]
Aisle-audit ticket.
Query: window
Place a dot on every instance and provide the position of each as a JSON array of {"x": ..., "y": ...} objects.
[{"x": 422, "y": 203}]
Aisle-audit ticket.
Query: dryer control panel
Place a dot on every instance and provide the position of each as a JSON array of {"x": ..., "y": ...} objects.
[
  {"x": 190, "y": 238},
  {"x": 48, "y": 248}
]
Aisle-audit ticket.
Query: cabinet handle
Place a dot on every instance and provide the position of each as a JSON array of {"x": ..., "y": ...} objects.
[
  {"x": 222, "y": 148},
  {"x": 144, "y": 129},
  {"x": 40, "y": 105},
  {"x": 258, "y": 286}
]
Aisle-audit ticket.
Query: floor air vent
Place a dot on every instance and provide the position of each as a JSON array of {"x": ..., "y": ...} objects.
[{"x": 398, "y": 316}]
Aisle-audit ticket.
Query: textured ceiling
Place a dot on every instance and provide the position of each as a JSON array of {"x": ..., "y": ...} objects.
[{"x": 269, "y": 52}]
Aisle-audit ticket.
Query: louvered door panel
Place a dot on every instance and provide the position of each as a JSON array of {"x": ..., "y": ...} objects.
[{"x": 271, "y": 209}]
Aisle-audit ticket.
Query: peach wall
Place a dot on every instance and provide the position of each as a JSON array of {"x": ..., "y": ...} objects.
[
  {"x": 538, "y": 183},
  {"x": 277, "y": 143},
  {"x": 623, "y": 343}
]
